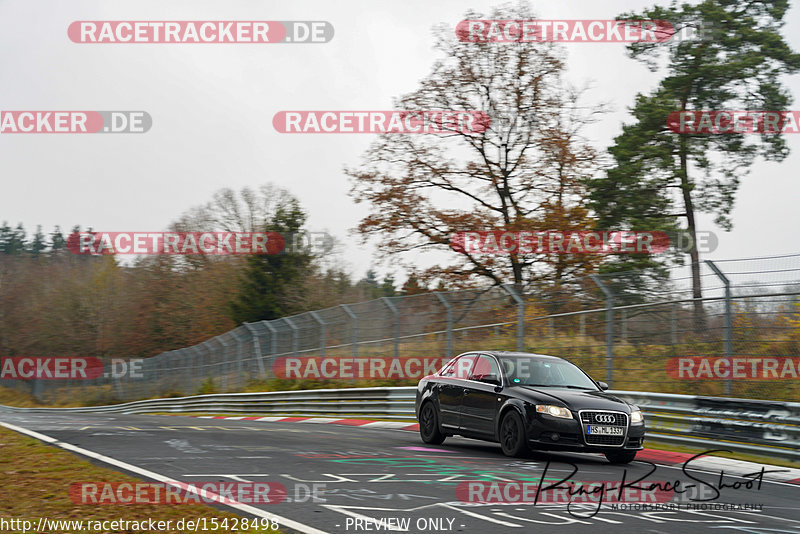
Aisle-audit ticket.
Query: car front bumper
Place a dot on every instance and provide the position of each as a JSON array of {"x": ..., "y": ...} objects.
[{"x": 552, "y": 433}]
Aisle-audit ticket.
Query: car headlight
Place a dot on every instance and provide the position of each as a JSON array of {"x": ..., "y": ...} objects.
[
  {"x": 555, "y": 411},
  {"x": 636, "y": 417}
]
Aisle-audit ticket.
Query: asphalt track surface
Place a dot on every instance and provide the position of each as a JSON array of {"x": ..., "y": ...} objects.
[{"x": 373, "y": 474}]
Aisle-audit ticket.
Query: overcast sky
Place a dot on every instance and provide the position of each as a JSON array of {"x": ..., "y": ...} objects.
[{"x": 212, "y": 107}]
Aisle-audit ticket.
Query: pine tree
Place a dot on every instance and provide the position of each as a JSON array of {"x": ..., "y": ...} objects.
[{"x": 272, "y": 285}]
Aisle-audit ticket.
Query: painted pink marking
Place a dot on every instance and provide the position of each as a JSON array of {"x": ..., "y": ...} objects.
[{"x": 422, "y": 449}]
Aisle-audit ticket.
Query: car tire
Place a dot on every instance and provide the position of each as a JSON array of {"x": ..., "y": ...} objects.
[
  {"x": 513, "y": 439},
  {"x": 621, "y": 457},
  {"x": 429, "y": 425}
]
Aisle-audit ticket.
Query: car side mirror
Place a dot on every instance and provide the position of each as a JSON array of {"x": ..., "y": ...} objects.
[
  {"x": 490, "y": 379},
  {"x": 603, "y": 386}
]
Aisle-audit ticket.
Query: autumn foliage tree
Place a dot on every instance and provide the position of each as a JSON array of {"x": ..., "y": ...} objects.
[{"x": 526, "y": 171}]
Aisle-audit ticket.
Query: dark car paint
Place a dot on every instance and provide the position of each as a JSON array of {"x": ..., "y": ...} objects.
[{"x": 484, "y": 406}]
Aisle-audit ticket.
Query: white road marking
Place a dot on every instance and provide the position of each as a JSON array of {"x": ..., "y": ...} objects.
[{"x": 290, "y": 523}]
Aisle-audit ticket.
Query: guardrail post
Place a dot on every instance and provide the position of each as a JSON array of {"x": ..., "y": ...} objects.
[
  {"x": 609, "y": 328},
  {"x": 322, "y": 325},
  {"x": 396, "y": 313},
  {"x": 256, "y": 349},
  {"x": 728, "y": 332},
  {"x": 582, "y": 320},
  {"x": 295, "y": 335},
  {"x": 449, "y": 308},
  {"x": 623, "y": 321},
  {"x": 354, "y": 318},
  {"x": 509, "y": 288}
]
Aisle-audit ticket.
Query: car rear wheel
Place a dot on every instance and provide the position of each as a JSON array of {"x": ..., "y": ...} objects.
[
  {"x": 621, "y": 457},
  {"x": 429, "y": 425},
  {"x": 513, "y": 440}
]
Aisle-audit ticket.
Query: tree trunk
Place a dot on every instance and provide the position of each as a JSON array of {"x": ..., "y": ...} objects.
[{"x": 697, "y": 291}]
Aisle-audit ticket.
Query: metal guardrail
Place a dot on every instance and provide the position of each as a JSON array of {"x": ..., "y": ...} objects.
[
  {"x": 381, "y": 403},
  {"x": 743, "y": 425}
]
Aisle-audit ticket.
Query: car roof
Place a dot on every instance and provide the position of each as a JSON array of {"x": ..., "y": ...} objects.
[{"x": 515, "y": 354}]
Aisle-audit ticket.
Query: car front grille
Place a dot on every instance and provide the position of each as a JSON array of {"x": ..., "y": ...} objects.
[
  {"x": 590, "y": 418},
  {"x": 604, "y": 419}
]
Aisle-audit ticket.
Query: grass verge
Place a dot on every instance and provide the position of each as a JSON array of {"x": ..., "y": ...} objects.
[{"x": 38, "y": 479}]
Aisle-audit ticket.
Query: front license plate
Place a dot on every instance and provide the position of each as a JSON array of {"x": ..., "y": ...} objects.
[{"x": 604, "y": 430}]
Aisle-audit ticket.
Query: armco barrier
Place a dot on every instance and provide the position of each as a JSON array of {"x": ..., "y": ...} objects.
[
  {"x": 383, "y": 403},
  {"x": 743, "y": 425}
]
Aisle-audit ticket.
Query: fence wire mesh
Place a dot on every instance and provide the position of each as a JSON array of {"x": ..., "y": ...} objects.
[{"x": 634, "y": 333}]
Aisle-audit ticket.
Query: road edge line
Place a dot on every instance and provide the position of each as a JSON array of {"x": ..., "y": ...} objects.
[{"x": 290, "y": 523}]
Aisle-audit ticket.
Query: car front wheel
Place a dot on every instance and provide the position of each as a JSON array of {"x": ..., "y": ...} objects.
[
  {"x": 620, "y": 457},
  {"x": 512, "y": 435},
  {"x": 429, "y": 425}
]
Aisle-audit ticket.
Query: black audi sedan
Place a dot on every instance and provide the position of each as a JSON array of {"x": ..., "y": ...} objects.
[{"x": 527, "y": 401}]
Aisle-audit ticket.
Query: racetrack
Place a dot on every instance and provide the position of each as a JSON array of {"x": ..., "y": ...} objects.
[{"x": 375, "y": 474}]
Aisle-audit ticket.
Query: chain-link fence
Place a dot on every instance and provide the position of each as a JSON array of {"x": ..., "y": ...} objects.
[{"x": 741, "y": 339}]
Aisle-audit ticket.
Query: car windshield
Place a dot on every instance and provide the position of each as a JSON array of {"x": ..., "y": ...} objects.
[{"x": 541, "y": 372}]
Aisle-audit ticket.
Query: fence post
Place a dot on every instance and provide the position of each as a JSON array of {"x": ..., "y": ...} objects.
[
  {"x": 193, "y": 371},
  {"x": 207, "y": 359},
  {"x": 673, "y": 325},
  {"x": 295, "y": 335},
  {"x": 239, "y": 357},
  {"x": 509, "y": 288},
  {"x": 396, "y": 314},
  {"x": 256, "y": 349},
  {"x": 354, "y": 318},
  {"x": 449, "y": 308},
  {"x": 728, "y": 332},
  {"x": 273, "y": 337},
  {"x": 582, "y": 319},
  {"x": 609, "y": 328},
  {"x": 322, "y": 341},
  {"x": 623, "y": 320},
  {"x": 224, "y": 373}
]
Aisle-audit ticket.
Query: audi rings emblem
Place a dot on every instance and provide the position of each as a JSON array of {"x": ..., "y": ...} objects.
[{"x": 604, "y": 418}]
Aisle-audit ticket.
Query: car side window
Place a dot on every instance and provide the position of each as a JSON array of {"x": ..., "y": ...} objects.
[
  {"x": 485, "y": 368},
  {"x": 459, "y": 368}
]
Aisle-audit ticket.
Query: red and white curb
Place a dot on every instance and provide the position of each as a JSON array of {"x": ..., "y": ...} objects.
[{"x": 714, "y": 464}]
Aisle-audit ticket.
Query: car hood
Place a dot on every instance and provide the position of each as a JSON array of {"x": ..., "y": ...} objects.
[{"x": 574, "y": 399}]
